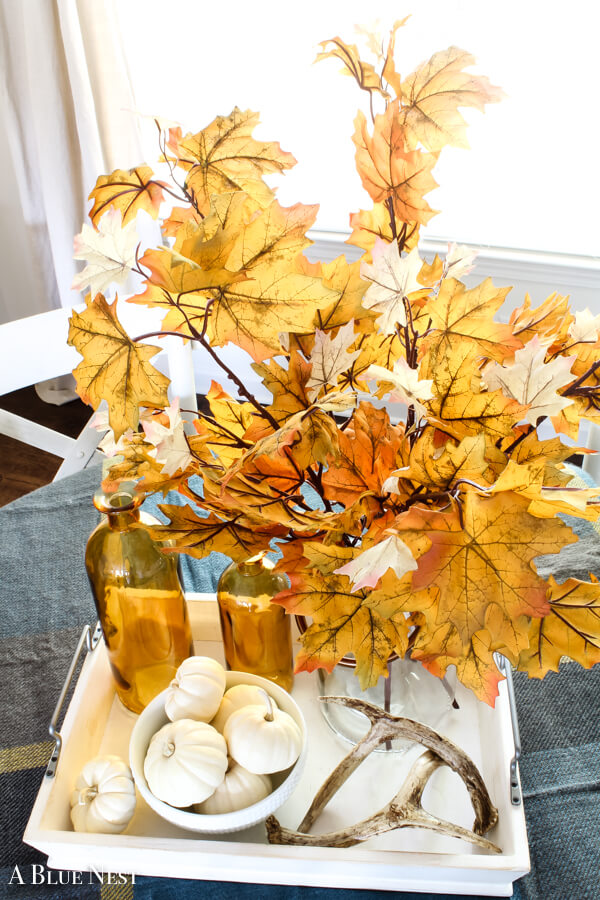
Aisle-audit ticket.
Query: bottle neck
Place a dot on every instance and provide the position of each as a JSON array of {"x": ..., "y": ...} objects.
[
  {"x": 259, "y": 564},
  {"x": 121, "y": 507},
  {"x": 121, "y": 520}
]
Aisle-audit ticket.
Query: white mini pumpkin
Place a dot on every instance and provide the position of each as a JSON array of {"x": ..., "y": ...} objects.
[
  {"x": 237, "y": 696},
  {"x": 263, "y": 742},
  {"x": 197, "y": 690},
  {"x": 239, "y": 789},
  {"x": 185, "y": 762},
  {"x": 103, "y": 799}
]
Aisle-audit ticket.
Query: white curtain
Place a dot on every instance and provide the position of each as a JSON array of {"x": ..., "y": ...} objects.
[{"x": 66, "y": 107}]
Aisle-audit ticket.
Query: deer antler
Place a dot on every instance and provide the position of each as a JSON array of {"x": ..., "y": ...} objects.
[{"x": 405, "y": 809}]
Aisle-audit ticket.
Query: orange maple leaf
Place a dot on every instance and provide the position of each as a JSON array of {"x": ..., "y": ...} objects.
[
  {"x": 367, "y": 453},
  {"x": 485, "y": 556},
  {"x": 388, "y": 169}
]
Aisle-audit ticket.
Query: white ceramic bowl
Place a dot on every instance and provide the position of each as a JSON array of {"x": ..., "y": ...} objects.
[{"x": 154, "y": 717}]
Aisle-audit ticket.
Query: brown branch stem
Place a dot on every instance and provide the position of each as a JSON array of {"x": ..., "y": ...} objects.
[
  {"x": 576, "y": 384},
  {"x": 243, "y": 390}
]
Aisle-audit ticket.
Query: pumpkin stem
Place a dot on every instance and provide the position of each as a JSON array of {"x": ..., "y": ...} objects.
[
  {"x": 269, "y": 715},
  {"x": 87, "y": 796}
]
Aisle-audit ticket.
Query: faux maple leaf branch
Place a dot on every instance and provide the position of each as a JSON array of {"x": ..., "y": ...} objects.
[{"x": 432, "y": 523}]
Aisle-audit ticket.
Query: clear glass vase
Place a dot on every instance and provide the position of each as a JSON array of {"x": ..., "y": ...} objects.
[
  {"x": 139, "y": 600},
  {"x": 409, "y": 691},
  {"x": 257, "y": 634}
]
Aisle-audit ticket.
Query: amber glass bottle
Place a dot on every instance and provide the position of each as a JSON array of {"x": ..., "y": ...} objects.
[
  {"x": 139, "y": 599},
  {"x": 256, "y": 633}
]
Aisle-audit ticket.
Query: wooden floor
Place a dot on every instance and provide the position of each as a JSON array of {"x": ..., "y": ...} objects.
[{"x": 24, "y": 468}]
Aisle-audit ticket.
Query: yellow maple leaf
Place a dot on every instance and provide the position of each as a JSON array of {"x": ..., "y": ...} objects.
[
  {"x": 344, "y": 278},
  {"x": 179, "y": 216},
  {"x": 466, "y": 317},
  {"x": 389, "y": 73},
  {"x": 274, "y": 299},
  {"x": 225, "y": 157},
  {"x": 287, "y": 387},
  {"x": 199, "y": 536},
  {"x": 253, "y": 276},
  {"x": 306, "y": 438},
  {"x": 568, "y": 420},
  {"x": 368, "y": 225},
  {"x": 435, "y": 466},
  {"x": 375, "y": 350},
  {"x": 209, "y": 242},
  {"x": 431, "y": 273},
  {"x": 114, "y": 368},
  {"x": 571, "y": 628},
  {"x": 549, "y": 320},
  {"x": 276, "y": 233},
  {"x": 459, "y": 406},
  {"x": 181, "y": 285},
  {"x": 552, "y": 451},
  {"x": 527, "y": 480},
  {"x": 223, "y": 433},
  {"x": 129, "y": 191},
  {"x": 342, "y": 623},
  {"x": 252, "y": 499},
  {"x": 135, "y": 462}
]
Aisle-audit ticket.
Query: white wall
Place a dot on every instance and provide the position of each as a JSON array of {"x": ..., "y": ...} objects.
[{"x": 536, "y": 273}]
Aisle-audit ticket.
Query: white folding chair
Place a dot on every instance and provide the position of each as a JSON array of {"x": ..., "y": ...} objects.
[{"x": 35, "y": 349}]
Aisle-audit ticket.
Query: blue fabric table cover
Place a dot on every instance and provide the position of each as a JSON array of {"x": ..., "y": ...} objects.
[{"x": 44, "y": 602}]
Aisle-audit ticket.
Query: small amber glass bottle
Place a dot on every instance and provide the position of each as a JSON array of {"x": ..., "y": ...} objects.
[
  {"x": 139, "y": 599},
  {"x": 256, "y": 633}
]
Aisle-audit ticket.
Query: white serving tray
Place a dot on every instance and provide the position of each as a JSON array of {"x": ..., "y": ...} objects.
[{"x": 408, "y": 859}]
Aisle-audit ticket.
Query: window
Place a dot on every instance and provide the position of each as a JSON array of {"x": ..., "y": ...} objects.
[{"x": 530, "y": 180}]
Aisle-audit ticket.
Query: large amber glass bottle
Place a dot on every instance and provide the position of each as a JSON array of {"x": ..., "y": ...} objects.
[
  {"x": 256, "y": 633},
  {"x": 139, "y": 600}
]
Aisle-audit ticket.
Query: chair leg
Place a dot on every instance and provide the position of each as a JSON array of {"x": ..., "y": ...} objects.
[
  {"x": 35, "y": 435},
  {"x": 81, "y": 453}
]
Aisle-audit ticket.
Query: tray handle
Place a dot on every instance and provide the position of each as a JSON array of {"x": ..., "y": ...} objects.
[
  {"x": 88, "y": 641},
  {"x": 515, "y": 787}
]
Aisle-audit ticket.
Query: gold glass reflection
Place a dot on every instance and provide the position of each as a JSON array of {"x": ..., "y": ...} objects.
[
  {"x": 139, "y": 599},
  {"x": 256, "y": 633}
]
